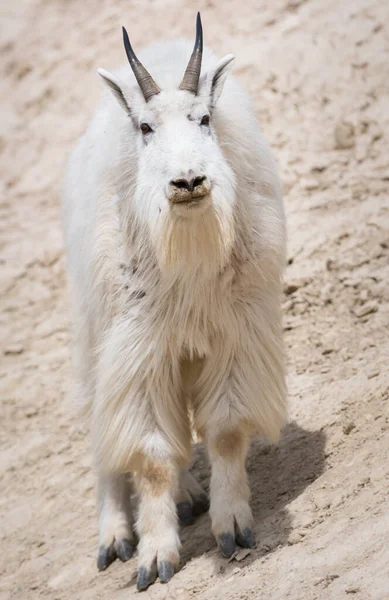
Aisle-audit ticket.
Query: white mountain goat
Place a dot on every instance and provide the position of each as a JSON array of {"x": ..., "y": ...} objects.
[{"x": 175, "y": 240}]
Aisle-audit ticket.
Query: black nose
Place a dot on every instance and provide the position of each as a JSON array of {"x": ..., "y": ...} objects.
[{"x": 190, "y": 185}]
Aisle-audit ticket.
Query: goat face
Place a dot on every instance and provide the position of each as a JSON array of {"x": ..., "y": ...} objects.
[
  {"x": 184, "y": 192},
  {"x": 181, "y": 168},
  {"x": 184, "y": 188}
]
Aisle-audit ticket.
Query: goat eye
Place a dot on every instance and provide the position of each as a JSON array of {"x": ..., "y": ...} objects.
[
  {"x": 205, "y": 120},
  {"x": 145, "y": 128}
]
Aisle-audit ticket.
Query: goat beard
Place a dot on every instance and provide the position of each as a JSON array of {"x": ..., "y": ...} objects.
[{"x": 195, "y": 244}]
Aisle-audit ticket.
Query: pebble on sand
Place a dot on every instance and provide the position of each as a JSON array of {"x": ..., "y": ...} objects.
[
  {"x": 373, "y": 373},
  {"x": 348, "y": 427},
  {"x": 366, "y": 309},
  {"x": 14, "y": 349},
  {"x": 344, "y": 134}
]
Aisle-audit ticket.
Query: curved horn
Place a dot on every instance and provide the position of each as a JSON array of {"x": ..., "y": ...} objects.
[
  {"x": 190, "y": 81},
  {"x": 146, "y": 82}
]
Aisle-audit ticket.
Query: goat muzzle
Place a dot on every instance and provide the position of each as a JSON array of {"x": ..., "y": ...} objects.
[{"x": 186, "y": 190}]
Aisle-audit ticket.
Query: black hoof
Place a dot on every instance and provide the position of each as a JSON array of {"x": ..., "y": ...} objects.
[
  {"x": 145, "y": 578},
  {"x": 105, "y": 557},
  {"x": 166, "y": 571},
  {"x": 226, "y": 543},
  {"x": 124, "y": 549},
  {"x": 185, "y": 514},
  {"x": 200, "y": 505},
  {"x": 245, "y": 538}
]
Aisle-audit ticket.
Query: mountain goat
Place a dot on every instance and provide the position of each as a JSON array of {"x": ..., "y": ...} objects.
[{"x": 175, "y": 240}]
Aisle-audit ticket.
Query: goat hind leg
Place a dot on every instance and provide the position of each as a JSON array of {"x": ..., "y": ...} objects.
[{"x": 191, "y": 499}]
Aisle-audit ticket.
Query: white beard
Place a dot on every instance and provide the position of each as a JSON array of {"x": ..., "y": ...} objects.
[{"x": 195, "y": 244}]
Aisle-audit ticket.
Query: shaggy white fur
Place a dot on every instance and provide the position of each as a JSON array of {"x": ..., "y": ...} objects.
[{"x": 176, "y": 309}]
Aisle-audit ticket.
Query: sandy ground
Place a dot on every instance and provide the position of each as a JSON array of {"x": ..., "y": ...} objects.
[{"x": 319, "y": 73}]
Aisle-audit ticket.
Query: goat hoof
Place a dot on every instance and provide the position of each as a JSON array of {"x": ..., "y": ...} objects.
[
  {"x": 166, "y": 571},
  {"x": 185, "y": 513},
  {"x": 105, "y": 557},
  {"x": 246, "y": 538},
  {"x": 145, "y": 578},
  {"x": 124, "y": 549},
  {"x": 226, "y": 543},
  {"x": 200, "y": 505}
]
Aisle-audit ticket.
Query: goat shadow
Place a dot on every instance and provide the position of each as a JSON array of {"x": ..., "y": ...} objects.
[{"x": 277, "y": 475}]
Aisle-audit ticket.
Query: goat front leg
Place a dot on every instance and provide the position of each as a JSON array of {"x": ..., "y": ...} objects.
[
  {"x": 116, "y": 539},
  {"x": 241, "y": 391},
  {"x": 157, "y": 482},
  {"x": 232, "y": 520}
]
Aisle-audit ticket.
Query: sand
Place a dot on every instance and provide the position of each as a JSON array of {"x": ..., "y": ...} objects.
[{"x": 318, "y": 71}]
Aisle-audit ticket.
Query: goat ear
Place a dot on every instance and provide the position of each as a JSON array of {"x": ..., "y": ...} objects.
[
  {"x": 116, "y": 87},
  {"x": 215, "y": 79}
]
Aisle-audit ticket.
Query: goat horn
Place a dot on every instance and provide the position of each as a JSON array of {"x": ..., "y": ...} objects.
[
  {"x": 146, "y": 82},
  {"x": 190, "y": 81}
]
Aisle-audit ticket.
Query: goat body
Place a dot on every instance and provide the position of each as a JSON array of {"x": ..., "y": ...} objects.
[{"x": 175, "y": 295}]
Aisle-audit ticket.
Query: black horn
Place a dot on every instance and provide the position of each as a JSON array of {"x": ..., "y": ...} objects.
[
  {"x": 190, "y": 81},
  {"x": 146, "y": 82}
]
